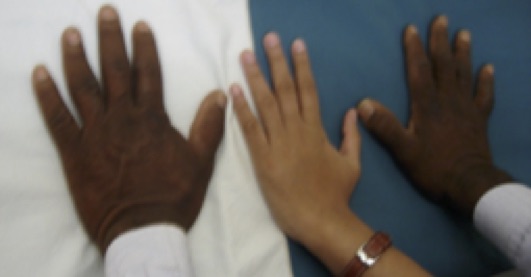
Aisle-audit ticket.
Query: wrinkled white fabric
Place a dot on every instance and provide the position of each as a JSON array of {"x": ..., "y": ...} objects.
[
  {"x": 199, "y": 42},
  {"x": 503, "y": 215}
]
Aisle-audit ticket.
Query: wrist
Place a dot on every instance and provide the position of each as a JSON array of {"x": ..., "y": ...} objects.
[
  {"x": 474, "y": 181},
  {"x": 134, "y": 218},
  {"x": 335, "y": 240}
]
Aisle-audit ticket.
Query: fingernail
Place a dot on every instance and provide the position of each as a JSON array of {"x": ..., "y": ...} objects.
[
  {"x": 443, "y": 20},
  {"x": 366, "y": 109},
  {"x": 411, "y": 31},
  {"x": 41, "y": 74},
  {"x": 299, "y": 46},
  {"x": 271, "y": 40},
  {"x": 236, "y": 91},
  {"x": 73, "y": 38},
  {"x": 221, "y": 100},
  {"x": 465, "y": 36},
  {"x": 142, "y": 27},
  {"x": 248, "y": 57},
  {"x": 490, "y": 69},
  {"x": 108, "y": 13},
  {"x": 353, "y": 115}
]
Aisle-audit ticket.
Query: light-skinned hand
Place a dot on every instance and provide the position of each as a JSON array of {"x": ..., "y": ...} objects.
[{"x": 306, "y": 181}]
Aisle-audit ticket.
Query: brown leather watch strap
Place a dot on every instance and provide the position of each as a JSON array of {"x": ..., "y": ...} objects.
[{"x": 367, "y": 255}]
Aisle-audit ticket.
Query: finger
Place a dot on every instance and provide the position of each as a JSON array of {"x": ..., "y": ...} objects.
[
  {"x": 146, "y": 68},
  {"x": 59, "y": 121},
  {"x": 382, "y": 123},
  {"x": 207, "y": 129},
  {"x": 265, "y": 101},
  {"x": 116, "y": 72},
  {"x": 350, "y": 146},
  {"x": 419, "y": 71},
  {"x": 82, "y": 84},
  {"x": 463, "y": 64},
  {"x": 484, "y": 98},
  {"x": 309, "y": 101},
  {"x": 251, "y": 128},
  {"x": 441, "y": 54},
  {"x": 282, "y": 80}
]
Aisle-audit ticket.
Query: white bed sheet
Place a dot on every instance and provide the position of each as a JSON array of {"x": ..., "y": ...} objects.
[{"x": 199, "y": 42}]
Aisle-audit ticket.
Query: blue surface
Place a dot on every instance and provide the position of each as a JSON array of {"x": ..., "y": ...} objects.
[{"x": 356, "y": 52}]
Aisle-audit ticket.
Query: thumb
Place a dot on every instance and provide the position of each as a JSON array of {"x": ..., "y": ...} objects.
[
  {"x": 382, "y": 123},
  {"x": 350, "y": 147},
  {"x": 208, "y": 126}
]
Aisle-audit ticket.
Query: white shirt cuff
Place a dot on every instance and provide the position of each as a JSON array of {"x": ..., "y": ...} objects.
[
  {"x": 503, "y": 216},
  {"x": 156, "y": 251}
]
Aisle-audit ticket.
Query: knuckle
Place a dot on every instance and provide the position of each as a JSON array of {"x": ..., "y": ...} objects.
[
  {"x": 149, "y": 69},
  {"x": 88, "y": 85},
  {"x": 59, "y": 120},
  {"x": 423, "y": 65},
  {"x": 266, "y": 102},
  {"x": 421, "y": 75},
  {"x": 120, "y": 67},
  {"x": 464, "y": 48},
  {"x": 302, "y": 61},
  {"x": 254, "y": 75},
  {"x": 385, "y": 127},
  {"x": 307, "y": 82},
  {"x": 60, "y": 125},
  {"x": 309, "y": 94},
  {"x": 250, "y": 125},
  {"x": 285, "y": 84},
  {"x": 381, "y": 122},
  {"x": 276, "y": 56},
  {"x": 444, "y": 58}
]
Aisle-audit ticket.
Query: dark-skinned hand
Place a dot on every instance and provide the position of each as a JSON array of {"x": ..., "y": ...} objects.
[
  {"x": 126, "y": 166},
  {"x": 444, "y": 149}
]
